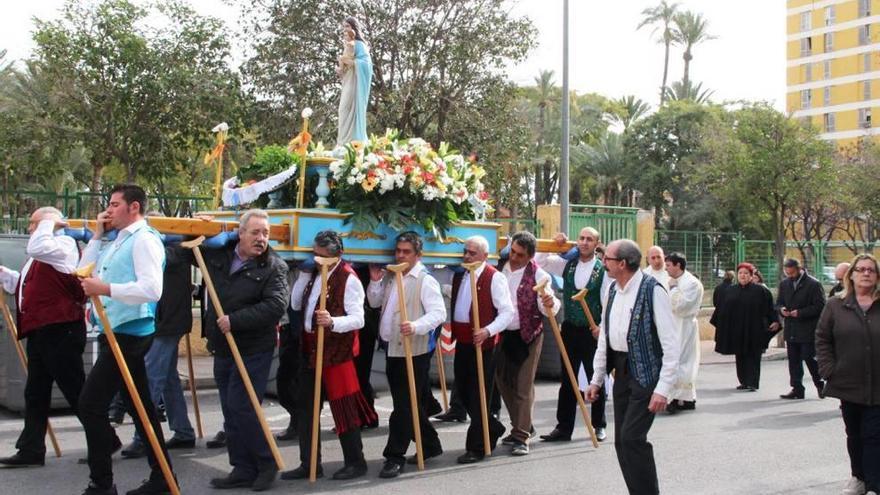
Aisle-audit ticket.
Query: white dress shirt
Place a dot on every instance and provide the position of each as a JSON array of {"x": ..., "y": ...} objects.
[
  {"x": 514, "y": 278},
  {"x": 500, "y": 298},
  {"x": 354, "y": 302},
  {"x": 555, "y": 265},
  {"x": 53, "y": 248},
  {"x": 384, "y": 295},
  {"x": 148, "y": 255},
  {"x": 620, "y": 315}
]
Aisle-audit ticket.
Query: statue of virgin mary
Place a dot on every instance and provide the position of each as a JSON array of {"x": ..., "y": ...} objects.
[{"x": 356, "y": 72}]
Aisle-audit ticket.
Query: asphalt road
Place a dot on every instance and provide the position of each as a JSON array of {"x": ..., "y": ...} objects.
[{"x": 735, "y": 442}]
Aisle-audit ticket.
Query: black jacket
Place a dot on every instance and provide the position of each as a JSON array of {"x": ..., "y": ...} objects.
[
  {"x": 254, "y": 297},
  {"x": 808, "y": 299},
  {"x": 174, "y": 311},
  {"x": 848, "y": 350}
]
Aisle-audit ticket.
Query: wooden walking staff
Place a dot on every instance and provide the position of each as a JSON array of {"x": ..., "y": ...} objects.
[
  {"x": 245, "y": 378},
  {"x": 540, "y": 288},
  {"x": 581, "y": 297},
  {"x": 441, "y": 371},
  {"x": 192, "y": 386},
  {"x": 98, "y": 306},
  {"x": 481, "y": 380},
  {"x": 325, "y": 263},
  {"x": 407, "y": 350},
  {"x": 13, "y": 332}
]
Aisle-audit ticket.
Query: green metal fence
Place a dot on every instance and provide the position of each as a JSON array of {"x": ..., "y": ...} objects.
[
  {"x": 710, "y": 254},
  {"x": 612, "y": 222},
  {"x": 18, "y": 205}
]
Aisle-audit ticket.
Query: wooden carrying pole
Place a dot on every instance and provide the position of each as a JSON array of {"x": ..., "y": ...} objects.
[
  {"x": 481, "y": 380},
  {"x": 245, "y": 378},
  {"x": 325, "y": 263},
  {"x": 98, "y": 306},
  {"x": 540, "y": 288},
  {"x": 192, "y": 386},
  {"x": 407, "y": 350},
  {"x": 13, "y": 332}
]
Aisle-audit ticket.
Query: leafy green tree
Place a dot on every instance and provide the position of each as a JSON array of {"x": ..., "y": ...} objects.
[{"x": 695, "y": 93}]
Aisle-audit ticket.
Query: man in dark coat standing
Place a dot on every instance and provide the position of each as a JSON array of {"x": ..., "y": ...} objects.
[{"x": 800, "y": 302}]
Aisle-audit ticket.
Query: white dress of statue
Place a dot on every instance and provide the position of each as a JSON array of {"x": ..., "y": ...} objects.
[
  {"x": 356, "y": 72},
  {"x": 686, "y": 295}
]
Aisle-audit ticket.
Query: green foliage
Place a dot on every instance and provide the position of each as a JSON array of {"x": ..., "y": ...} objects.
[{"x": 268, "y": 161}]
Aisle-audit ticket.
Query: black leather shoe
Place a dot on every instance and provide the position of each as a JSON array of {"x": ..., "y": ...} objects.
[
  {"x": 177, "y": 443},
  {"x": 155, "y": 486},
  {"x": 301, "y": 473},
  {"x": 134, "y": 451},
  {"x": 794, "y": 394},
  {"x": 470, "y": 458},
  {"x": 687, "y": 405},
  {"x": 231, "y": 481},
  {"x": 350, "y": 472},
  {"x": 287, "y": 435},
  {"x": 556, "y": 436},
  {"x": 391, "y": 469},
  {"x": 218, "y": 442},
  {"x": 451, "y": 417},
  {"x": 265, "y": 478},
  {"x": 433, "y": 408},
  {"x": 742, "y": 387},
  {"x": 19, "y": 461},
  {"x": 672, "y": 407},
  {"x": 94, "y": 489},
  {"x": 428, "y": 455}
]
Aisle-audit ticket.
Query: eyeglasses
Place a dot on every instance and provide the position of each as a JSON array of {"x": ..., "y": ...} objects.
[
  {"x": 609, "y": 258},
  {"x": 865, "y": 269}
]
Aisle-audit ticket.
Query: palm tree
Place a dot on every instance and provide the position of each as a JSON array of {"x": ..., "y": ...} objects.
[
  {"x": 690, "y": 29},
  {"x": 662, "y": 16},
  {"x": 680, "y": 91},
  {"x": 547, "y": 93},
  {"x": 629, "y": 110}
]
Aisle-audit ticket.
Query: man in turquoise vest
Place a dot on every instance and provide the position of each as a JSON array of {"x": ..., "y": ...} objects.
[
  {"x": 639, "y": 339},
  {"x": 128, "y": 279},
  {"x": 584, "y": 271}
]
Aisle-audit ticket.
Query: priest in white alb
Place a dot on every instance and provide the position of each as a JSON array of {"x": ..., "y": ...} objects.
[{"x": 686, "y": 296}]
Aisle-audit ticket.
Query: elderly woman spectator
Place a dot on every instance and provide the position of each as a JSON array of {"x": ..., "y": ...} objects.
[
  {"x": 848, "y": 352},
  {"x": 744, "y": 321}
]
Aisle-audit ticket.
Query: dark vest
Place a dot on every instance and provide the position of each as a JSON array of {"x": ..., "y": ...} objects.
[
  {"x": 531, "y": 321},
  {"x": 488, "y": 312},
  {"x": 642, "y": 341},
  {"x": 574, "y": 313},
  {"x": 338, "y": 347},
  {"x": 49, "y": 297}
]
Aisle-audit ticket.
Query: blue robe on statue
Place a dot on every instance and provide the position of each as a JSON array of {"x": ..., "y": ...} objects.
[{"x": 355, "y": 95}]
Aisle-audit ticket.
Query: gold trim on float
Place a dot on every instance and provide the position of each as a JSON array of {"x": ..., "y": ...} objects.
[
  {"x": 446, "y": 240},
  {"x": 363, "y": 235}
]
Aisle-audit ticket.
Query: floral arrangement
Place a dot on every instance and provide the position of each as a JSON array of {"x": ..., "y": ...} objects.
[{"x": 402, "y": 182}]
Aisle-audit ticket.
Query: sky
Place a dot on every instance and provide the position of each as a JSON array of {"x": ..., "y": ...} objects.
[{"x": 606, "y": 53}]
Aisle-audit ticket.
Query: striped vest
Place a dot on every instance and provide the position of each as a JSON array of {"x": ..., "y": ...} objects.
[{"x": 643, "y": 344}]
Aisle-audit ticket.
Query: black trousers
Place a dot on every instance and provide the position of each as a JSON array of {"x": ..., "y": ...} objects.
[
  {"x": 863, "y": 442},
  {"x": 54, "y": 354},
  {"x": 632, "y": 421},
  {"x": 363, "y": 362},
  {"x": 400, "y": 426},
  {"x": 798, "y": 353},
  {"x": 748, "y": 368},
  {"x": 287, "y": 376},
  {"x": 467, "y": 384},
  {"x": 352, "y": 446},
  {"x": 103, "y": 382},
  {"x": 581, "y": 348}
]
